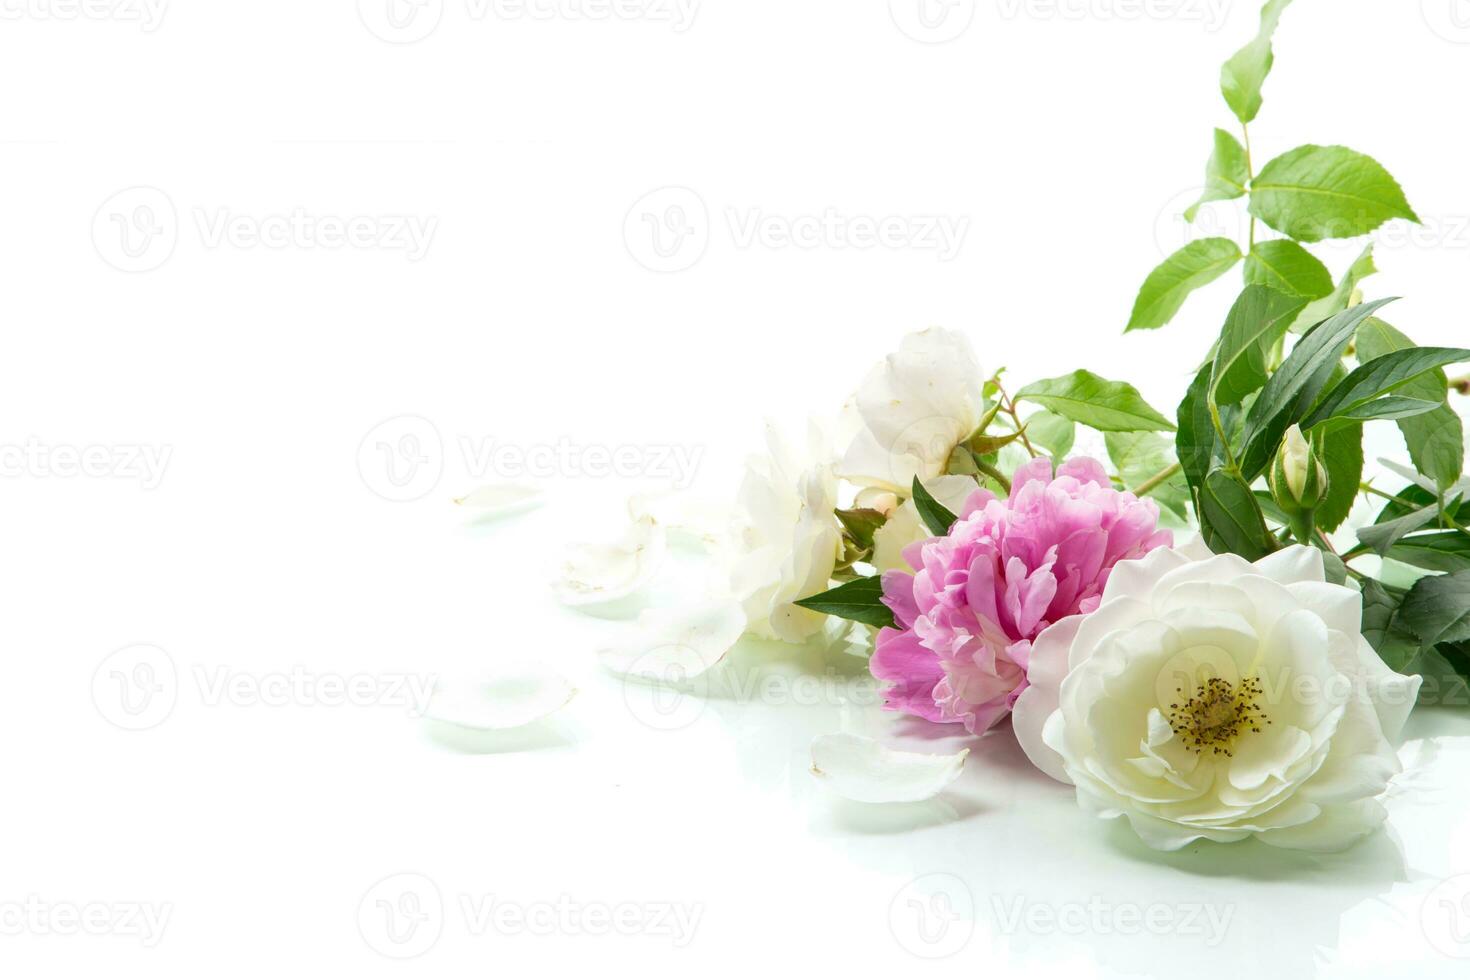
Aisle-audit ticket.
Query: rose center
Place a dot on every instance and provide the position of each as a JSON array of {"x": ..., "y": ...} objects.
[{"x": 1216, "y": 714}]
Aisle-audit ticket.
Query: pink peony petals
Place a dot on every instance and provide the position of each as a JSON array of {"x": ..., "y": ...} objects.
[{"x": 1008, "y": 570}]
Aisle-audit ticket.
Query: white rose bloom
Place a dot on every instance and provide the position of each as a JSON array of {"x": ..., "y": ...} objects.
[
  {"x": 914, "y": 408},
  {"x": 1219, "y": 699},
  {"x": 786, "y": 537}
]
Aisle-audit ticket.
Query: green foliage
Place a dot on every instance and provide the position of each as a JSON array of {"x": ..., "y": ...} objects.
[
  {"x": 1285, "y": 266},
  {"x": 1108, "y": 406},
  {"x": 936, "y": 517},
  {"x": 1314, "y": 193},
  {"x": 1197, "y": 264},
  {"x": 859, "y": 600},
  {"x": 1226, "y": 173}
]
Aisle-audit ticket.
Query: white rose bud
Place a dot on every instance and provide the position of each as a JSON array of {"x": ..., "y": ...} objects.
[{"x": 1298, "y": 479}]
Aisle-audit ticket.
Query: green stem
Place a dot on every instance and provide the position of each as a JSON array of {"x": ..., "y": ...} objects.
[
  {"x": 1250, "y": 176},
  {"x": 1224, "y": 440},
  {"x": 1444, "y": 514},
  {"x": 993, "y": 473},
  {"x": 1155, "y": 481}
]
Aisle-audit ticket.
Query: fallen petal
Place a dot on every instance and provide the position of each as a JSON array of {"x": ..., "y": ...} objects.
[
  {"x": 678, "y": 643},
  {"x": 595, "y": 573},
  {"x": 701, "y": 519},
  {"x": 500, "y": 498},
  {"x": 861, "y": 769},
  {"x": 499, "y": 703}
]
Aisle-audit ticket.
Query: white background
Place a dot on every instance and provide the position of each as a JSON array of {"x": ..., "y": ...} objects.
[{"x": 1065, "y": 139}]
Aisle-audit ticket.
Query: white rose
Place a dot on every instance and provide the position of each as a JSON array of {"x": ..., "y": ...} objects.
[
  {"x": 912, "y": 410},
  {"x": 786, "y": 537},
  {"x": 1219, "y": 699}
]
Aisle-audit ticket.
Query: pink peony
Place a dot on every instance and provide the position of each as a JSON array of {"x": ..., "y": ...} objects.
[{"x": 1007, "y": 570}]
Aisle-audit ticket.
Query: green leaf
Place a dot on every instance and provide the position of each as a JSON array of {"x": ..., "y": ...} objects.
[
  {"x": 859, "y": 600},
  {"x": 1231, "y": 519},
  {"x": 1296, "y": 384},
  {"x": 1382, "y": 376},
  {"x": 1396, "y": 646},
  {"x": 1438, "y": 551},
  {"x": 1317, "y": 192},
  {"x": 1195, "y": 441},
  {"x": 1139, "y": 456},
  {"x": 1197, "y": 264},
  {"x": 1226, "y": 173},
  {"x": 1285, "y": 266},
  {"x": 1109, "y": 406},
  {"x": 936, "y": 517},
  {"x": 861, "y": 523},
  {"x": 1258, "y": 319},
  {"x": 1341, "y": 297},
  {"x": 1412, "y": 498},
  {"x": 1381, "y": 537},
  {"x": 1437, "y": 608},
  {"x": 1436, "y": 439},
  {"x": 1392, "y": 408},
  {"x": 1051, "y": 432},
  {"x": 1342, "y": 451},
  {"x": 1243, "y": 75}
]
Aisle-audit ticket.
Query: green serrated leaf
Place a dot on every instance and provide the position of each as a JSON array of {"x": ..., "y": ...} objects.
[
  {"x": 860, "y": 600},
  {"x": 1436, "y": 439},
  {"x": 1139, "y": 456},
  {"x": 1197, "y": 264},
  {"x": 936, "y": 517},
  {"x": 1295, "y": 385},
  {"x": 1108, "y": 406},
  {"x": 1285, "y": 266},
  {"x": 1342, "y": 451},
  {"x": 1195, "y": 442},
  {"x": 1258, "y": 319},
  {"x": 861, "y": 523},
  {"x": 1243, "y": 75},
  {"x": 1226, "y": 173},
  {"x": 1371, "y": 381},
  {"x": 1396, "y": 646},
  {"x": 1313, "y": 193},
  {"x": 1341, "y": 297},
  {"x": 1231, "y": 519},
  {"x": 1051, "y": 432},
  {"x": 1437, "y": 609},
  {"x": 1437, "y": 551}
]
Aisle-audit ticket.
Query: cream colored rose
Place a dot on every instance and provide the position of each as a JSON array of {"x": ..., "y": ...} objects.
[{"x": 1219, "y": 699}]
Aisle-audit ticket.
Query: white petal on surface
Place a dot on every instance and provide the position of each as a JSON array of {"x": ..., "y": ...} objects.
[
  {"x": 678, "y": 643},
  {"x": 683, "y": 512},
  {"x": 502, "y": 702},
  {"x": 861, "y": 769},
  {"x": 500, "y": 498},
  {"x": 593, "y": 573}
]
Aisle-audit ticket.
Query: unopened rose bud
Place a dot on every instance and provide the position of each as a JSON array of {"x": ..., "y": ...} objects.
[{"x": 1298, "y": 481}]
